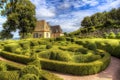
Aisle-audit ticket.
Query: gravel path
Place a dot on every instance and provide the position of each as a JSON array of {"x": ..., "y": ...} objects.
[{"x": 111, "y": 73}]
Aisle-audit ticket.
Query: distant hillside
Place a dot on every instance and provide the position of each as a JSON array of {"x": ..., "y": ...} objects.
[{"x": 99, "y": 23}]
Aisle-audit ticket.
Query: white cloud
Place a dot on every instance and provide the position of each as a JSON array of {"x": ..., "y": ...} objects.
[
  {"x": 57, "y": 13},
  {"x": 44, "y": 13},
  {"x": 110, "y": 4},
  {"x": 72, "y": 23},
  {"x": 91, "y": 2},
  {"x": 2, "y": 20},
  {"x": 64, "y": 5}
]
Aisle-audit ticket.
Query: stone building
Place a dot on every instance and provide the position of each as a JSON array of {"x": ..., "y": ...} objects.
[
  {"x": 44, "y": 30},
  {"x": 56, "y": 31}
]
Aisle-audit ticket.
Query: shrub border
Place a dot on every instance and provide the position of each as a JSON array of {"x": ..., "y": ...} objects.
[{"x": 77, "y": 68}]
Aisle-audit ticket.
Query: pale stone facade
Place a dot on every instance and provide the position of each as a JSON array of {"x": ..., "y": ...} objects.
[{"x": 43, "y": 30}]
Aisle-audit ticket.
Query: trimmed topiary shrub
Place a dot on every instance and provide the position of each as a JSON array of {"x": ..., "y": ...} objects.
[
  {"x": 105, "y": 35},
  {"x": 118, "y": 35},
  {"x": 91, "y": 46},
  {"x": 63, "y": 56},
  {"x": 44, "y": 54},
  {"x": 68, "y": 38},
  {"x": 49, "y": 76},
  {"x": 14, "y": 57},
  {"x": 34, "y": 43},
  {"x": 3, "y": 66},
  {"x": 30, "y": 69},
  {"x": 72, "y": 39},
  {"x": 60, "y": 39},
  {"x": 25, "y": 44},
  {"x": 12, "y": 47},
  {"x": 9, "y": 75},
  {"x": 56, "y": 55},
  {"x": 36, "y": 63},
  {"x": 49, "y": 46},
  {"x": 112, "y": 35},
  {"x": 29, "y": 77}
]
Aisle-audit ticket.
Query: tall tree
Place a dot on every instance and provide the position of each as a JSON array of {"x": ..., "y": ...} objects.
[
  {"x": 86, "y": 22},
  {"x": 20, "y": 16}
]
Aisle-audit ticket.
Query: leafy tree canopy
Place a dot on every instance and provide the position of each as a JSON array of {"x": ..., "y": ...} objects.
[{"x": 20, "y": 16}]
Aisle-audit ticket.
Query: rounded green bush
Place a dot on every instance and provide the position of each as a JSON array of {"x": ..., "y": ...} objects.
[
  {"x": 49, "y": 46},
  {"x": 63, "y": 56},
  {"x": 29, "y": 77},
  {"x": 91, "y": 46},
  {"x": 118, "y": 35},
  {"x": 9, "y": 75},
  {"x": 3, "y": 66},
  {"x": 12, "y": 47},
  {"x": 30, "y": 69},
  {"x": 56, "y": 55},
  {"x": 36, "y": 63},
  {"x": 60, "y": 39},
  {"x": 112, "y": 35},
  {"x": 25, "y": 44},
  {"x": 34, "y": 43}
]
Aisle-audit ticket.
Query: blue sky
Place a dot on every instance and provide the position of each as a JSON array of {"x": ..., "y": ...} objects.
[{"x": 69, "y": 13}]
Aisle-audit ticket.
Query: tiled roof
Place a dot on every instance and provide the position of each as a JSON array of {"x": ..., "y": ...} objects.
[
  {"x": 40, "y": 25},
  {"x": 56, "y": 29}
]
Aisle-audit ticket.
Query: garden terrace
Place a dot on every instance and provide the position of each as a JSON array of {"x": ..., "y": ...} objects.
[{"x": 78, "y": 57}]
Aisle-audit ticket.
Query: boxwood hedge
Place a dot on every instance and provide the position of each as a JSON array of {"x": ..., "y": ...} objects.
[
  {"x": 15, "y": 57},
  {"x": 109, "y": 45},
  {"x": 77, "y": 68},
  {"x": 9, "y": 75}
]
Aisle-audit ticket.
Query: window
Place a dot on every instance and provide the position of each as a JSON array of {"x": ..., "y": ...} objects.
[
  {"x": 47, "y": 35},
  {"x": 40, "y": 35},
  {"x": 35, "y": 35}
]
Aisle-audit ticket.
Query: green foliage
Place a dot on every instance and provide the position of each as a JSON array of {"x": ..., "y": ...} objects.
[
  {"x": 11, "y": 47},
  {"x": 55, "y": 55},
  {"x": 49, "y": 46},
  {"x": 118, "y": 35},
  {"x": 87, "y": 22},
  {"x": 30, "y": 69},
  {"x": 18, "y": 17},
  {"x": 36, "y": 63},
  {"x": 85, "y": 58},
  {"x": 29, "y": 77},
  {"x": 98, "y": 23},
  {"x": 91, "y": 46},
  {"x": 60, "y": 39},
  {"x": 25, "y": 44},
  {"x": 9, "y": 75},
  {"x": 68, "y": 38},
  {"x": 106, "y": 19},
  {"x": 15, "y": 57},
  {"x": 112, "y": 35},
  {"x": 82, "y": 58},
  {"x": 3, "y": 66},
  {"x": 105, "y": 35},
  {"x": 63, "y": 56},
  {"x": 75, "y": 68},
  {"x": 49, "y": 76},
  {"x": 34, "y": 43}
]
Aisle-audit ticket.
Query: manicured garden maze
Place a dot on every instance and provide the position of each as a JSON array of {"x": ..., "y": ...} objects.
[
  {"x": 81, "y": 57},
  {"x": 29, "y": 67}
]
